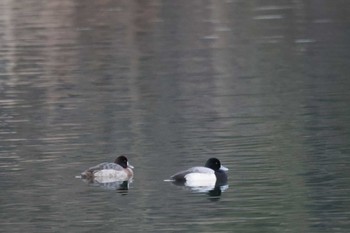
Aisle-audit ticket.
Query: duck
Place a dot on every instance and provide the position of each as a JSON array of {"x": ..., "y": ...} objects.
[
  {"x": 211, "y": 175},
  {"x": 120, "y": 170}
]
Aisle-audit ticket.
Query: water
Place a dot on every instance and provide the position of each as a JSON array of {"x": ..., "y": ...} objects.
[{"x": 262, "y": 85}]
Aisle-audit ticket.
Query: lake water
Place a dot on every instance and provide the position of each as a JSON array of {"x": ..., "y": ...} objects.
[{"x": 261, "y": 85}]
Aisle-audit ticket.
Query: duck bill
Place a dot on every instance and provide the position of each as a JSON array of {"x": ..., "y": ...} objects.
[
  {"x": 130, "y": 166},
  {"x": 222, "y": 168}
]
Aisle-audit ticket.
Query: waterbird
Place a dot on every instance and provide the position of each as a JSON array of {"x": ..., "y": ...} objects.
[
  {"x": 120, "y": 170},
  {"x": 211, "y": 175}
]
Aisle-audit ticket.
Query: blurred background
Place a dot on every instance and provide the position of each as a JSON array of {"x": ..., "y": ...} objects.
[{"x": 261, "y": 85}]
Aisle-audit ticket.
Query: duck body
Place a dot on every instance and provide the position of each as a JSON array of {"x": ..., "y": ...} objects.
[
  {"x": 120, "y": 170},
  {"x": 212, "y": 174}
]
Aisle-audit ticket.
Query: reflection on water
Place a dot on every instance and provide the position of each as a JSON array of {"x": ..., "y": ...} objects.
[
  {"x": 214, "y": 191},
  {"x": 121, "y": 186},
  {"x": 264, "y": 85}
]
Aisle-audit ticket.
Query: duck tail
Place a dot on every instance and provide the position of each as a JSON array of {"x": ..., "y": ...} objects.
[
  {"x": 86, "y": 175},
  {"x": 169, "y": 180}
]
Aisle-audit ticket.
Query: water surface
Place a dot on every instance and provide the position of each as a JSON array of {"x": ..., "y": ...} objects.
[{"x": 262, "y": 85}]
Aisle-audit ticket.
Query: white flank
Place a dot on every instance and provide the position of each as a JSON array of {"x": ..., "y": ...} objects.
[
  {"x": 200, "y": 180},
  {"x": 110, "y": 174}
]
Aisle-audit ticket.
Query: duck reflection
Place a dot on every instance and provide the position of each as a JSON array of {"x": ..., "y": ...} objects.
[
  {"x": 211, "y": 190},
  {"x": 109, "y": 184}
]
